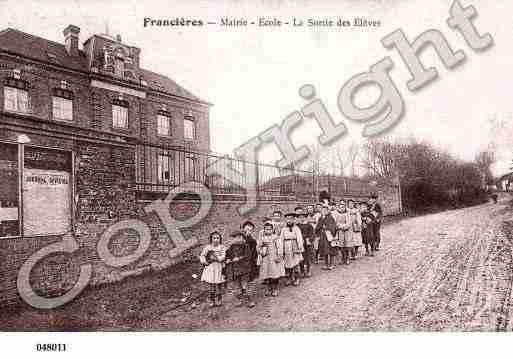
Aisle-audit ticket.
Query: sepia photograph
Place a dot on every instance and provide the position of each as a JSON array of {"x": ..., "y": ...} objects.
[{"x": 236, "y": 166}]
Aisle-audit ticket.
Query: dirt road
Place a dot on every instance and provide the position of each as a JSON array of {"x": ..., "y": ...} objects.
[{"x": 445, "y": 271}]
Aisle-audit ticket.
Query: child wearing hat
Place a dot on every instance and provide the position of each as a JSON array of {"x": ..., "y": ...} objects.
[
  {"x": 307, "y": 231},
  {"x": 277, "y": 221},
  {"x": 270, "y": 258},
  {"x": 367, "y": 229},
  {"x": 292, "y": 248},
  {"x": 355, "y": 227},
  {"x": 242, "y": 261},
  {"x": 213, "y": 257},
  {"x": 326, "y": 230}
]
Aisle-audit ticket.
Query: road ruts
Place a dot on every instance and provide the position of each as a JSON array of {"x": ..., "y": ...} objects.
[{"x": 450, "y": 271}]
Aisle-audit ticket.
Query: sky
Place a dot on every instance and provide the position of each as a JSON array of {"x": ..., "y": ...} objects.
[{"x": 252, "y": 75}]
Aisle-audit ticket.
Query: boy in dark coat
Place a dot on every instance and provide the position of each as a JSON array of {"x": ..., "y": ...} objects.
[
  {"x": 242, "y": 258},
  {"x": 368, "y": 238},
  {"x": 326, "y": 230},
  {"x": 307, "y": 231}
]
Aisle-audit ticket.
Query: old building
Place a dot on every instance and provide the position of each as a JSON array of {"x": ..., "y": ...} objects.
[{"x": 84, "y": 132}]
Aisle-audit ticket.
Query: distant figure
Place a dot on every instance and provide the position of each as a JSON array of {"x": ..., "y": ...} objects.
[{"x": 494, "y": 197}]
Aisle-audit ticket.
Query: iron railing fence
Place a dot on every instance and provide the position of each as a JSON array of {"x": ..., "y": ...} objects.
[{"x": 160, "y": 169}]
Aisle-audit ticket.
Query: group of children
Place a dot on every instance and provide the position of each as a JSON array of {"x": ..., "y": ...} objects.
[{"x": 288, "y": 244}]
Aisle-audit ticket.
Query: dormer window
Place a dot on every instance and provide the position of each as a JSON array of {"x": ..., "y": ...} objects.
[
  {"x": 120, "y": 58},
  {"x": 119, "y": 66}
]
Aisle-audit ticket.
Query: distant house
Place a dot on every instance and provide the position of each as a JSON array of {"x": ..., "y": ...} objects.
[{"x": 505, "y": 181}]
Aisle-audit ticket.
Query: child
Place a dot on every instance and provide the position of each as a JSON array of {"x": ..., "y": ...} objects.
[
  {"x": 313, "y": 220},
  {"x": 242, "y": 258},
  {"x": 342, "y": 221},
  {"x": 310, "y": 210},
  {"x": 212, "y": 257},
  {"x": 326, "y": 230},
  {"x": 298, "y": 211},
  {"x": 356, "y": 227},
  {"x": 292, "y": 248},
  {"x": 277, "y": 221},
  {"x": 307, "y": 231},
  {"x": 367, "y": 229},
  {"x": 270, "y": 258},
  {"x": 377, "y": 212}
]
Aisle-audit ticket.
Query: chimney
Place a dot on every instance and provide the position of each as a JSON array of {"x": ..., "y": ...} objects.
[{"x": 71, "y": 39}]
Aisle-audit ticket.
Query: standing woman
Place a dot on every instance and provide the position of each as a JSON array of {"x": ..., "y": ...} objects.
[
  {"x": 270, "y": 258},
  {"x": 292, "y": 248},
  {"x": 355, "y": 230},
  {"x": 326, "y": 230}
]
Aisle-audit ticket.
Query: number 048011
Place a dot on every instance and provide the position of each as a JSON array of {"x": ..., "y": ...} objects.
[{"x": 51, "y": 347}]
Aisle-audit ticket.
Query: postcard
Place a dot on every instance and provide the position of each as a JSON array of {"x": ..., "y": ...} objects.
[{"x": 236, "y": 166}]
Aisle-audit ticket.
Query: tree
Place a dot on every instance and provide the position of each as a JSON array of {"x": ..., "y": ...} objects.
[
  {"x": 484, "y": 161},
  {"x": 380, "y": 157},
  {"x": 429, "y": 177}
]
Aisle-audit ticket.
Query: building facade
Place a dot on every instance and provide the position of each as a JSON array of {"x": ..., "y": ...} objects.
[{"x": 85, "y": 133}]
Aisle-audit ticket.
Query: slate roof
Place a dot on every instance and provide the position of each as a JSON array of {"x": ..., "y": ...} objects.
[
  {"x": 37, "y": 48},
  {"x": 167, "y": 84}
]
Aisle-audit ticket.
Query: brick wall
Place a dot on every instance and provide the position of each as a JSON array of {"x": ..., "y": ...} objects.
[
  {"x": 92, "y": 106},
  {"x": 104, "y": 193}
]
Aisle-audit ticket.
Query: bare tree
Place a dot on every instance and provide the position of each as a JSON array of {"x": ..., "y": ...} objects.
[
  {"x": 380, "y": 157},
  {"x": 484, "y": 161},
  {"x": 344, "y": 159},
  {"x": 353, "y": 153}
]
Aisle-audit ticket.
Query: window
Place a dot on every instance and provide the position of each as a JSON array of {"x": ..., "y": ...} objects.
[
  {"x": 9, "y": 191},
  {"x": 163, "y": 125},
  {"x": 163, "y": 167},
  {"x": 119, "y": 116},
  {"x": 62, "y": 108},
  {"x": 190, "y": 167},
  {"x": 119, "y": 67},
  {"x": 15, "y": 99},
  {"x": 189, "y": 128}
]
